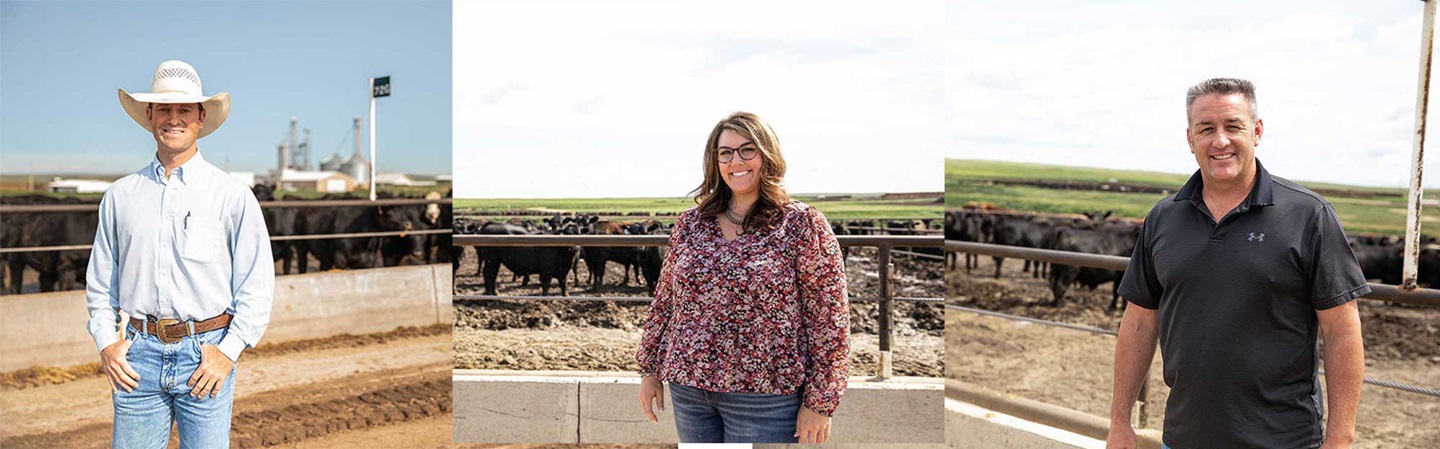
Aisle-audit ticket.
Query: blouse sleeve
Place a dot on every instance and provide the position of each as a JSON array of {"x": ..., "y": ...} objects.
[
  {"x": 651, "y": 352},
  {"x": 826, "y": 315}
]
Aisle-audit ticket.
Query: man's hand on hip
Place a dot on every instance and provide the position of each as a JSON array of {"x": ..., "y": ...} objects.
[
  {"x": 121, "y": 375},
  {"x": 210, "y": 376}
]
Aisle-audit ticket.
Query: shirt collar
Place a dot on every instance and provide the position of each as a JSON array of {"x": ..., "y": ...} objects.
[
  {"x": 1261, "y": 194},
  {"x": 185, "y": 172}
]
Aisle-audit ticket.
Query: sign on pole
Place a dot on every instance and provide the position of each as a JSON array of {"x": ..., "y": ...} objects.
[{"x": 381, "y": 88}]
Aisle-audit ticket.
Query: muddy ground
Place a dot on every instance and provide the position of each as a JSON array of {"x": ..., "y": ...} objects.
[
  {"x": 1073, "y": 369},
  {"x": 603, "y": 335},
  {"x": 323, "y": 393}
]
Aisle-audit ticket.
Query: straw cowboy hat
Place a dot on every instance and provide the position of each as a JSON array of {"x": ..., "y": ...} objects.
[{"x": 176, "y": 82}]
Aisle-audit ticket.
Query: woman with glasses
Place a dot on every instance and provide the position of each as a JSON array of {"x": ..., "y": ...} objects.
[{"x": 750, "y": 322}]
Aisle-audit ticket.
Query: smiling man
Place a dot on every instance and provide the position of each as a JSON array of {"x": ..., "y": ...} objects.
[
  {"x": 1237, "y": 275},
  {"x": 182, "y": 249}
]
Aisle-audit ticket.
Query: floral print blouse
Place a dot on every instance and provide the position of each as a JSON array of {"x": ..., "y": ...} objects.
[{"x": 764, "y": 313}]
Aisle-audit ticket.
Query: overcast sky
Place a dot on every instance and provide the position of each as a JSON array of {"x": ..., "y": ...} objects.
[
  {"x": 615, "y": 99},
  {"x": 1102, "y": 83}
]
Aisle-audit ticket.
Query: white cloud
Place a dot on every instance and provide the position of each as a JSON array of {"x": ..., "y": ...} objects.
[
  {"x": 1103, "y": 84},
  {"x": 590, "y": 99}
]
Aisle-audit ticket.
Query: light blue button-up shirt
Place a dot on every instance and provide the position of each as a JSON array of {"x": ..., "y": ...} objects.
[{"x": 189, "y": 247}]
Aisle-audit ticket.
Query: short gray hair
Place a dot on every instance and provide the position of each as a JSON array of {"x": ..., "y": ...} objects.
[{"x": 1224, "y": 86}]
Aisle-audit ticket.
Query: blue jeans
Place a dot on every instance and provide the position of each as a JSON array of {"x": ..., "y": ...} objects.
[
  {"x": 709, "y": 417},
  {"x": 143, "y": 416}
]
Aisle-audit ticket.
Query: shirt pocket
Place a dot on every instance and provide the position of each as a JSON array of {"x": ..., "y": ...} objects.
[{"x": 201, "y": 238}]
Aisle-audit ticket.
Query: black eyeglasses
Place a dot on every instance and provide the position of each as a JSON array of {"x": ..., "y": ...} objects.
[{"x": 726, "y": 155}]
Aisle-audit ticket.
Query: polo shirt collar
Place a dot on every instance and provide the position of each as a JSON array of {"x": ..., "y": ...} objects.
[{"x": 1261, "y": 194}]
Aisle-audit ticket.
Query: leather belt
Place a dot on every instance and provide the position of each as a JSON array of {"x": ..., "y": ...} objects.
[{"x": 172, "y": 330}]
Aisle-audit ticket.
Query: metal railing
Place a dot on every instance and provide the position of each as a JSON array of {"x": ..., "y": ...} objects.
[
  {"x": 91, "y": 207},
  {"x": 1384, "y": 292},
  {"x": 41, "y": 208},
  {"x": 471, "y": 213},
  {"x": 884, "y": 245},
  {"x": 354, "y": 235}
]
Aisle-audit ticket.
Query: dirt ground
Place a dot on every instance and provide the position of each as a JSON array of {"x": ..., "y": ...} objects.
[
  {"x": 322, "y": 393},
  {"x": 1074, "y": 369},
  {"x": 603, "y": 335}
]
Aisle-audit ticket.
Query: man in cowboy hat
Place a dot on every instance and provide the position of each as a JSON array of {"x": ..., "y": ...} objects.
[{"x": 182, "y": 249}]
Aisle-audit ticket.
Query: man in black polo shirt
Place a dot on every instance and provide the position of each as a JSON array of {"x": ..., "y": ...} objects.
[{"x": 1237, "y": 274}]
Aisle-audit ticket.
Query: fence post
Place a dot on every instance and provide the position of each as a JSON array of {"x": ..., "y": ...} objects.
[
  {"x": 1411, "y": 265},
  {"x": 886, "y": 323}
]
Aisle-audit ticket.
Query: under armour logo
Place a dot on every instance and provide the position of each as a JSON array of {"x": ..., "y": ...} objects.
[{"x": 1256, "y": 238}]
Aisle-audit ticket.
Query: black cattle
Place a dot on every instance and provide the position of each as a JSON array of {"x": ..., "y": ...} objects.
[
  {"x": 852, "y": 227},
  {"x": 1027, "y": 231},
  {"x": 839, "y": 229},
  {"x": 58, "y": 270},
  {"x": 407, "y": 248},
  {"x": 1429, "y": 269},
  {"x": 569, "y": 225},
  {"x": 974, "y": 227},
  {"x": 280, "y": 221},
  {"x": 359, "y": 252},
  {"x": 438, "y": 216},
  {"x": 550, "y": 262},
  {"x": 465, "y": 226},
  {"x": 1105, "y": 238},
  {"x": 920, "y": 227},
  {"x": 596, "y": 257},
  {"x": 1379, "y": 258},
  {"x": 650, "y": 259}
]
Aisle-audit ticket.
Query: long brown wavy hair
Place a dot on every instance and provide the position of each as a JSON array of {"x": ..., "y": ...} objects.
[{"x": 713, "y": 196}]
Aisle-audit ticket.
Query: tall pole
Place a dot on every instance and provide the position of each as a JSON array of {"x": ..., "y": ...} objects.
[
  {"x": 1417, "y": 162},
  {"x": 294, "y": 156},
  {"x": 372, "y": 139}
]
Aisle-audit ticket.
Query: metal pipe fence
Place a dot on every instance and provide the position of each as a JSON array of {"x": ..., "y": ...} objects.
[
  {"x": 468, "y": 297},
  {"x": 273, "y": 238},
  {"x": 41, "y": 208},
  {"x": 467, "y": 213},
  {"x": 1384, "y": 292},
  {"x": 91, "y": 207},
  {"x": 884, "y": 244}
]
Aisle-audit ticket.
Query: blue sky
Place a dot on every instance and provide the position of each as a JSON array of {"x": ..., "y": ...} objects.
[
  {"x": 63, "y": 62},
  {"x": 616, "y": 99},
  {"x": 1102, "y": 83}
]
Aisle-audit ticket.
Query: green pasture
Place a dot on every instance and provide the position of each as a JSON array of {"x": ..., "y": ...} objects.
[
  {"x": 853, "y": 208},
  {"x": 1373, "y": 210},
  {"x": 977, "y": 169}
]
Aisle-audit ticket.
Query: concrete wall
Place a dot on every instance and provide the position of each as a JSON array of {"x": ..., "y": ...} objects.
[
  {"x": 48, "y": 329},
  {"x": 493, "y": 406}
]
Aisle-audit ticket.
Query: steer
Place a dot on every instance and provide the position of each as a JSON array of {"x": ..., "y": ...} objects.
[
  {"x": 547, "y": 261},
  {"x": 280, "y": 221},
  {"x": 1104, "y": 238}
]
